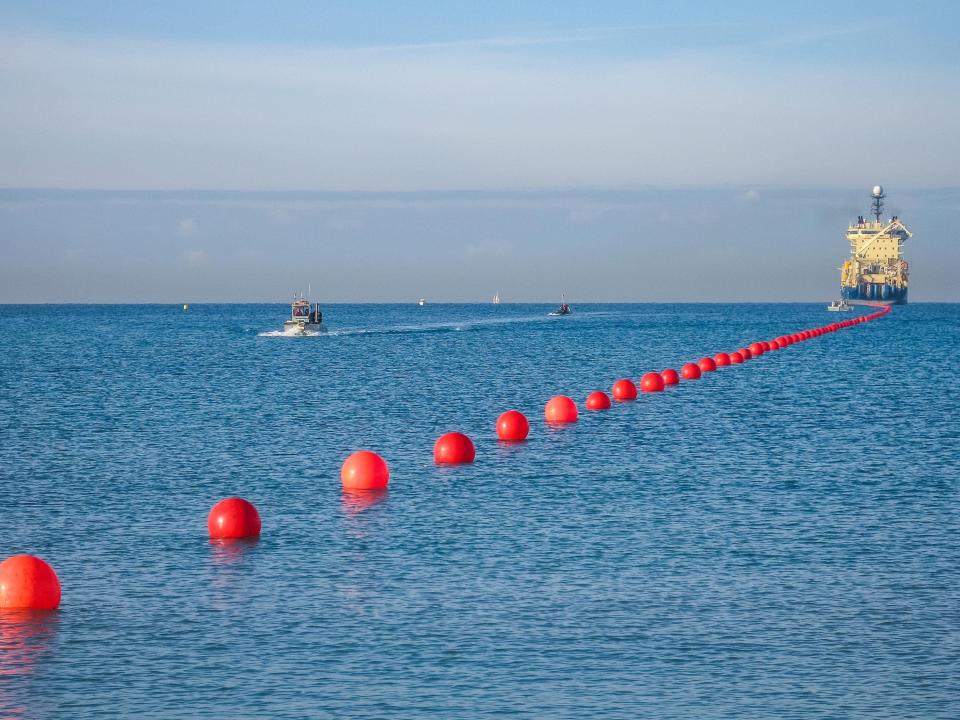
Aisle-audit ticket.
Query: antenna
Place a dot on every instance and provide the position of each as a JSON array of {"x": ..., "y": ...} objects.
[{"x": 878, "y": 196}]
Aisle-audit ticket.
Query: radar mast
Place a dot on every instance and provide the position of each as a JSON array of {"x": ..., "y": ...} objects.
[{"x": 878, "y": 196}]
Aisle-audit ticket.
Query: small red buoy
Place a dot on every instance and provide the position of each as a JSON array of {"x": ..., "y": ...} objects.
[
  {"x": 233, "y": 517},
  {"x": 670, "y": 376},
  {"x": 707, "y": 364},
  {"x": 722, "y": 359},
  {"x": 756, "y": 349},
  {"x": 28, "y": 583},
  {"x": 454, "y": 448},
  {"x": 690, "y": 371},
  {"x": 624, "y": 389},
  {"x": 598, "y": 400},
  {"x": 560, "y": 410},
  {"x": 769, "y": 346},
  {"x": 736, "y": 358},
  {"x": 364, "y": 470},
  {"x": 512, "y": 426},
  {"x": 652, "y": 382},
  {"x": 745, "y": 351}
]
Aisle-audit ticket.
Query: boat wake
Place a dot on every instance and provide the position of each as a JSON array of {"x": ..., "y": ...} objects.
[
  {"x": 436, "y": 327},
  {"x": 295, "y": 333}
]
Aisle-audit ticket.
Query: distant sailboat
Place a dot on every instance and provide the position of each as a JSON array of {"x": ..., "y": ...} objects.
[{"x": 496, "y": 298}]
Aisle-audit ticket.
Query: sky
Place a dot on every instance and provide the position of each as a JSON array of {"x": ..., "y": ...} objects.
[{"x": 618, "y": 151}]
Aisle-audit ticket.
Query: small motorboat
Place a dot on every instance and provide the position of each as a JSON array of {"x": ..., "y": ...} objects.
[
  {"x": 305, "y": 318},
  {"x": 839, "y": 306},
  {"x": 564, "y": 309},
  {"x": 421, "y": 302}
]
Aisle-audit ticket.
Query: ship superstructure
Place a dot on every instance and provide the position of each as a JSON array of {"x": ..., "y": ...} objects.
[{"x": 876, "y": 270}]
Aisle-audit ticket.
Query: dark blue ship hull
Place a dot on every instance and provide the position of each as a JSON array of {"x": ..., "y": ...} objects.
[{"x": 875, "y": 292}]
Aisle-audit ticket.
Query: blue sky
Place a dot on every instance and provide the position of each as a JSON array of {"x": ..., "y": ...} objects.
[{"x": 452, "y": 109}]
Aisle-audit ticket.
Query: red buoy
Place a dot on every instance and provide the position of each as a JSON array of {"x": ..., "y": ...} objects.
[
  {"x": 736, "y": 358},
  {"x": 690, "y": 371},
  {"x": 28, "y": 583},
  {"x": 722, "y": 359},
  {"x": 769, "y": 346},
  {"x": 670, "y": 376},
  {"x": 513, "y": 426},
  {"x": 756, "y": 349},
  {"x": 364, "y": 470},
  {"x": 652, "y": 382},
  {"x": 453, "y": 448},
  {"x": 233, "y": 517},
  {"x": 624, "y": 389},
  {"x": 707, "y": 364},
  {"x": 598, "y": 400},
  {"x": 560, "y": 410}
]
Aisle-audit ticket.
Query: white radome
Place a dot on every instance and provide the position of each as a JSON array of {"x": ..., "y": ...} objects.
[{"x": 877, "y": 190}]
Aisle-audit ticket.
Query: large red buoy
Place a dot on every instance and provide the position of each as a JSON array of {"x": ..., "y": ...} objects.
[
  {"x": 560, "y": 410},
  {"x": 722, "y": 359},
  {"x": 598, "y": 400},
  {"x": 736, "y": 358},
  {"x": 28, "y": 583},
  {"x": 707, "y": 364},
  {"x": 624, "y": 389},
  {"x": 652, "y": 382},
  {"x": 233, "y": 517},
  {"x": 513, "y": 426},
  {"x": 745, "y": 351},
  {"x": 453, "y": 448},
  {"x": 756, "y": 349},
  {"x": 364, "y": 470},
  {"x": 670, "y": 376},
  {"x": 690, "y": 371}
]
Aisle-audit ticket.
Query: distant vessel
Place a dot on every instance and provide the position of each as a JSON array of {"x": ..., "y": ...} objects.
[
  {"x": 839, "y": 306},
  {"x": 305, "y": 319},
  {"x": 496, "y": 298},
  {"x": 421, "y": 302},
  {"x": 185, "y": 307},
  {"x": 876, "y": 270},
  {"x": 564, "y": 309}
]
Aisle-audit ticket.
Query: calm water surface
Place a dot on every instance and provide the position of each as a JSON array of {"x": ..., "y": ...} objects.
[{"x": 779, "y": 539}]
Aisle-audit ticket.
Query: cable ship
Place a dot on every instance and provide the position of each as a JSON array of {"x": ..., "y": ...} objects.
[{"x": 876, "y": 270}]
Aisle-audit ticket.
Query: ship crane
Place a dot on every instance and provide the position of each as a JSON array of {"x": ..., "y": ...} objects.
[{"x": 894, "y": 225}]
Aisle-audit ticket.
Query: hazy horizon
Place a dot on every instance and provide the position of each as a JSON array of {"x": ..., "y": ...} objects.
[{"x": 231, "y": 152}]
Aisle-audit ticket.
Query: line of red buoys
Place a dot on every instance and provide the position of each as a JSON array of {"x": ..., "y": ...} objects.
[{"x": 30, "y": 583}]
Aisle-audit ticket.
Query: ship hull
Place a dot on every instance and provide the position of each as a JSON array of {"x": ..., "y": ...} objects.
[{"x": 875, "y": 293}]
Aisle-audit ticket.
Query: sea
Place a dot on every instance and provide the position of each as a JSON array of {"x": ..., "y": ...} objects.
[{"x": 779, "y": 539}]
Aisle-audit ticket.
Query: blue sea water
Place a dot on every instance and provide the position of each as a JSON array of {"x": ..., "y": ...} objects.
[{"x": 778, "y": 539}]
